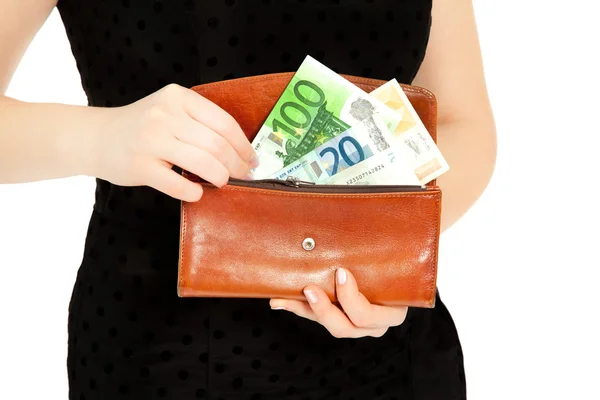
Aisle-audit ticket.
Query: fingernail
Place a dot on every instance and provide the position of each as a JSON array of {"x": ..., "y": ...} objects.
[
  {"x": 250, "y": 176},
  {"x": 278, "y": 308},
  {"x": 341, "y": 276},
  {"x": 311, "y": 296},
  {"x": 254, "y": 162}
]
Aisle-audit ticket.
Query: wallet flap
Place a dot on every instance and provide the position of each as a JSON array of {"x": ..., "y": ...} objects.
[{"x": 249, "y": 242}]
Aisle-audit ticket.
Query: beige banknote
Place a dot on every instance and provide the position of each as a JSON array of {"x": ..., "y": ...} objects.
[{"x": 411, "y": 141}]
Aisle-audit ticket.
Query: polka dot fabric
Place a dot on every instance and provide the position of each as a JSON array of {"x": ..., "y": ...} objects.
[{"x": 130, "y": 336}]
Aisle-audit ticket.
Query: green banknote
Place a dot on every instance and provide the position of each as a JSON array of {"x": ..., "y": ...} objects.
[{"x": 316, "y": 106}]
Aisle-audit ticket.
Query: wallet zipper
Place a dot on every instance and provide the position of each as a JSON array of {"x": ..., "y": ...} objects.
[{"x": 294, "y": 184}]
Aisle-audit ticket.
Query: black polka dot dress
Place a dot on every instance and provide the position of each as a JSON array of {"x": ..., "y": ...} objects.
[{"x": 130, "y": 336}]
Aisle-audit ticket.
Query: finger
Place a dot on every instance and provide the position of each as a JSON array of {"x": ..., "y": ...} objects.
[
  {"x": 162, "y": 178},
  {"x": 359, "y": 310},
  {"x": 198, "y": 135},
  {"x": 300, "y": 308},
  {"x": 334, "y": 319},
  {"x": 192, "y": 159},
  {"x": 208, "y": 113}
]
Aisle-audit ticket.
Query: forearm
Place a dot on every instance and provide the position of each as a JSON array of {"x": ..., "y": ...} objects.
[
  {"x": 41, "y": 141},
  {"x": 469, "y": 146}
]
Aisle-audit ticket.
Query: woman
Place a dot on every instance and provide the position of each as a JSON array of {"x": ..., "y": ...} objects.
[{"x": 130, "y": 336}]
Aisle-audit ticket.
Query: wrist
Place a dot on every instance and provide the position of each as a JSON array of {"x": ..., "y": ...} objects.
[{"x": 80, "y": 148}]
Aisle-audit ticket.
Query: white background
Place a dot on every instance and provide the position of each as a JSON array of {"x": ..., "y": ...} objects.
[{"x": 519, "y": 273}]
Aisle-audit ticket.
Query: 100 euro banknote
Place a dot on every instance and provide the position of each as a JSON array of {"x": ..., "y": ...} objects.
[
  {"x": 316, "y": 106},
  {"x": 411, "y": 140}
]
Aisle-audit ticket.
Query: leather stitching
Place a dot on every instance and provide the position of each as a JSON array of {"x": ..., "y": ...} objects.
[
  {"x": 181, "y": 249},
  {"x": 438, "y": 212},
  {"x": 275, "y": 192}
]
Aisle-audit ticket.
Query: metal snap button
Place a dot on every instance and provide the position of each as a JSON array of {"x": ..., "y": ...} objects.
[{"x": 308, "y": 244}]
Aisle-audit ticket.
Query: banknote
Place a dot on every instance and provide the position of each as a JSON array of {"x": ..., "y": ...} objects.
[
  {"x": 348, "y": 159},
  {"x": 316, "y": 106},
  {"x": 410, "y": 137},
  {"x": 334, "y": 156},
  {"x": 385, "y": 168}
]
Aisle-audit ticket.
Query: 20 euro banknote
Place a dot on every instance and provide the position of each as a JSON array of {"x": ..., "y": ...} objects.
[{"x": 350, "y": 158}]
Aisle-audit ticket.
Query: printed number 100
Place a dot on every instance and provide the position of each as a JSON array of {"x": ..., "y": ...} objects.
[{"x": 292, "y": 111}]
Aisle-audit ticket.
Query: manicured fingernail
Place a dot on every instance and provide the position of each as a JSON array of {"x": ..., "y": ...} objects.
[
  {"x": 278, "y": 308},
  {"x": 341, "y": 276},
  {"x": 311, "y": 296},
  {"x": 254, "y": 162}
]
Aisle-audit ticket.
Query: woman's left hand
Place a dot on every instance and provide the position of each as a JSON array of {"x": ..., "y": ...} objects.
[{"x": 356, "y": 318}]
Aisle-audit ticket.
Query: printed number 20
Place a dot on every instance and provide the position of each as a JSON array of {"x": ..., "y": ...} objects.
[{"x": 342, "y": 151}]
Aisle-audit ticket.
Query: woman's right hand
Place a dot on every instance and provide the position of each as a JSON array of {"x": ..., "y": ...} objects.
[{"x": 140, "y": 142}]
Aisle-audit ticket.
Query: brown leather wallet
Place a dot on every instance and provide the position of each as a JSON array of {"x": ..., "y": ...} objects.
[{"x": 269, "y": 239}]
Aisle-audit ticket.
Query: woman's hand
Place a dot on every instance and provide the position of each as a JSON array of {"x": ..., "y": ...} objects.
[
  {"x": 140, "y": 142},
  {"x": 357, "y": 318}
]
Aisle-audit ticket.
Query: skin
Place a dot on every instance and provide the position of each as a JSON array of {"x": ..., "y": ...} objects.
[{"x": 146, "y": 138}]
